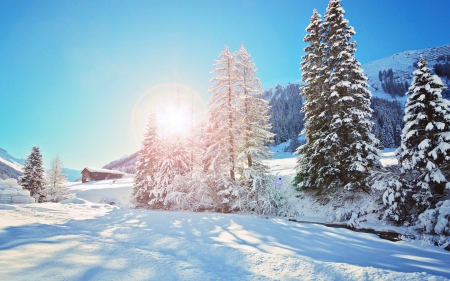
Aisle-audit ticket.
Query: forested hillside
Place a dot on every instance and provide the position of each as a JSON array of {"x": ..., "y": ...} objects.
[{"x": 125, "y": 164}]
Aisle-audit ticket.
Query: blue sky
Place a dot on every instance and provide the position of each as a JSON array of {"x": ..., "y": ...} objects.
[{"x": 74, "y": 73}]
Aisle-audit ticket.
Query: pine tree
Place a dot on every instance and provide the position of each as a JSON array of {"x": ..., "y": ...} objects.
[
  {"x": 174, "y": 161},
  {"x": 425, "y": 140},
  {"x": 33, "y": 174},
  {"x": 351, "y": 140},
  {"x": 146, "y": 165},
  {"x": 223, "y": 113},
  {"x": 56, "y": 188},
  {"x": 255, "y": 130},
  {"x": 341, "y": 148},
  {"x": 315, "y": 168}
]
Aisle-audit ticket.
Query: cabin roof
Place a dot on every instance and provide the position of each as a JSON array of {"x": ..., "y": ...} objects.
[{"x": 105, "y": 171}]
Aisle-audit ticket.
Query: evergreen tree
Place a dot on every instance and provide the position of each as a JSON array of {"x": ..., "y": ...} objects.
[
  {"x": 174, "y": 161},
  {"x": 255, "y": 130},
  {"x": 33, "y": 174},
  {"x": 56, "y": 188},
  {"x": 344, "y": 141},
  {"x": 315, "y": 168},
  {"x": 347, "y": 88},
  {"x": 146, "y": 164},
  {"x": 425, "y": 140}
]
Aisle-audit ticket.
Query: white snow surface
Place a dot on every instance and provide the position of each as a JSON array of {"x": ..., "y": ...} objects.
[
  {"x": 81, "y": 239},
  {"x": 100, "y": 170}
]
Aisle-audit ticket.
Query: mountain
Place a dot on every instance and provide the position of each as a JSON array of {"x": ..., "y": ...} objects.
[
  {"x": 286, "y": 119},
  {"x": 125, "y": 164},
  {"x": 10, "y": 167},
  {"x": 387, "y": 74},
  {"x": 389, "y": 79}
]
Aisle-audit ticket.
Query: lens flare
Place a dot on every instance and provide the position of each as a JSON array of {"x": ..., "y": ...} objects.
[{"x": 172, "y": 104}]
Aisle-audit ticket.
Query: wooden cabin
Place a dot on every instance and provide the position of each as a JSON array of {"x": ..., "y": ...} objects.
[{"x": 96, "y": 174}]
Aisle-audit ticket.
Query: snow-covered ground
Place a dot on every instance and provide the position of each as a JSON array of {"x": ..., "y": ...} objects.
[{"x": 81, "y": 239}]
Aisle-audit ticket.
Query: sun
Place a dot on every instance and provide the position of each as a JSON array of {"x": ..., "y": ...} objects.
[
  {"x": 174, "y": 120},
  {"x": 177, "y": 107}
]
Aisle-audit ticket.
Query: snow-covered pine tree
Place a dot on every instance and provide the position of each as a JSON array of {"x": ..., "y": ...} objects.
[
  {"x": 315, "y": 167},
  {"x": 33, "y": 174},
  {"x": 223, "y": 113},
  {"x": 56, "y": 188},
  {"x": 351, "y": 143},
  {"x": 174, "y": 161},
  {"x": 255, "y": 130},
  {"x": 425, "y": 140},
  {"x": 144, "y": 176}
]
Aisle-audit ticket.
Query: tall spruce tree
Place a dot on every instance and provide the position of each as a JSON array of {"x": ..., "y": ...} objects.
[
  {"x": 255, "y": 128},
  {"x": 33, "y": 174},
  {"x": 345, "y": 143},
  {"x": 315, "y": 168},
  {"x": 351, "y": 138},
  {"x": 146, "y": 165},
  {"x": 425, "y": 140}
]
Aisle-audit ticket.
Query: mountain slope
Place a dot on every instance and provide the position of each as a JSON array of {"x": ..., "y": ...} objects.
[
  {"x": 403, "y": 65},
  {"x": 389, "y": 79},
  {"x": 10, "y": 167},
  {"x": 125, "y": 164}
]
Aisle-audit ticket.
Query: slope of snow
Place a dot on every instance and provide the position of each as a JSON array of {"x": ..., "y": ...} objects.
[
  {"x": 402, "y": 66},
  {"x": 11, "y": 163},
  {"x": 118, "y": 191},
  {"x": 80, "y": 239}
]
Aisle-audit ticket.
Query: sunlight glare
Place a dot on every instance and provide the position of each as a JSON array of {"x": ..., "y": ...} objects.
[{"x": 174, "y": 120}]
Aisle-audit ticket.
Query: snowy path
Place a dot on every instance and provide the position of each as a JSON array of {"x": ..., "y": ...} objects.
[{"x": 98, "y": 242}]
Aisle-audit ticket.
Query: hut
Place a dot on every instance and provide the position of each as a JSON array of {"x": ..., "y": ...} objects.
[{"x": 95, "y": 174}]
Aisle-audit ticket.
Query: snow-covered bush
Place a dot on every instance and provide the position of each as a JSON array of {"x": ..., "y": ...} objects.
[
  {"x": 394, "y": 191},
  {"x": 434, "y": 224},
  {"x": 435, "y": 221}
]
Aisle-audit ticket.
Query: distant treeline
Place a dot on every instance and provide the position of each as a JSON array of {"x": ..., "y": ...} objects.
[
  {"x": 390, "y": 86},
  {"x": 287, "y": 120},
  {"x": 442, "y": 68}
]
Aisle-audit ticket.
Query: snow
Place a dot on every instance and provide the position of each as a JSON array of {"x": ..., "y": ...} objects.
[
  {"x": 98, "y": 170},
  {"x": 12, "y": 164},
  {"x": 81, "y": 239},
  {"x": 388, "y": 157},
  {"x": 402, "y": 65}
]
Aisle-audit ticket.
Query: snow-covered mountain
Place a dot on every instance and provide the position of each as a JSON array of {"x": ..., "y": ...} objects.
[
  {"x": 389, "y": 79},
  {"x": 9, "y": 165},
  {"x": 125, "y": 164},
  {"x": 403, "y": 65}
]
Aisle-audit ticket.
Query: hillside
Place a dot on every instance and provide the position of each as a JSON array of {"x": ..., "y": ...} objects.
[
  {"x": 389, "y": 79},
  {"x": 9, "y": 165},
  {"x": 125, "y": 164},
  {"x": 402, "y": 65},
  {"x": 83, "y": 238}
]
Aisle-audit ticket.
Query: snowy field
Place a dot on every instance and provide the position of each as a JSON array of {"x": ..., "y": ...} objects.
[{"x": 81, "y": 239}]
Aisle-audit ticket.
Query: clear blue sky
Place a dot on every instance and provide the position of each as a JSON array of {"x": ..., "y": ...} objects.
[{"x": 71, "y": 72}]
